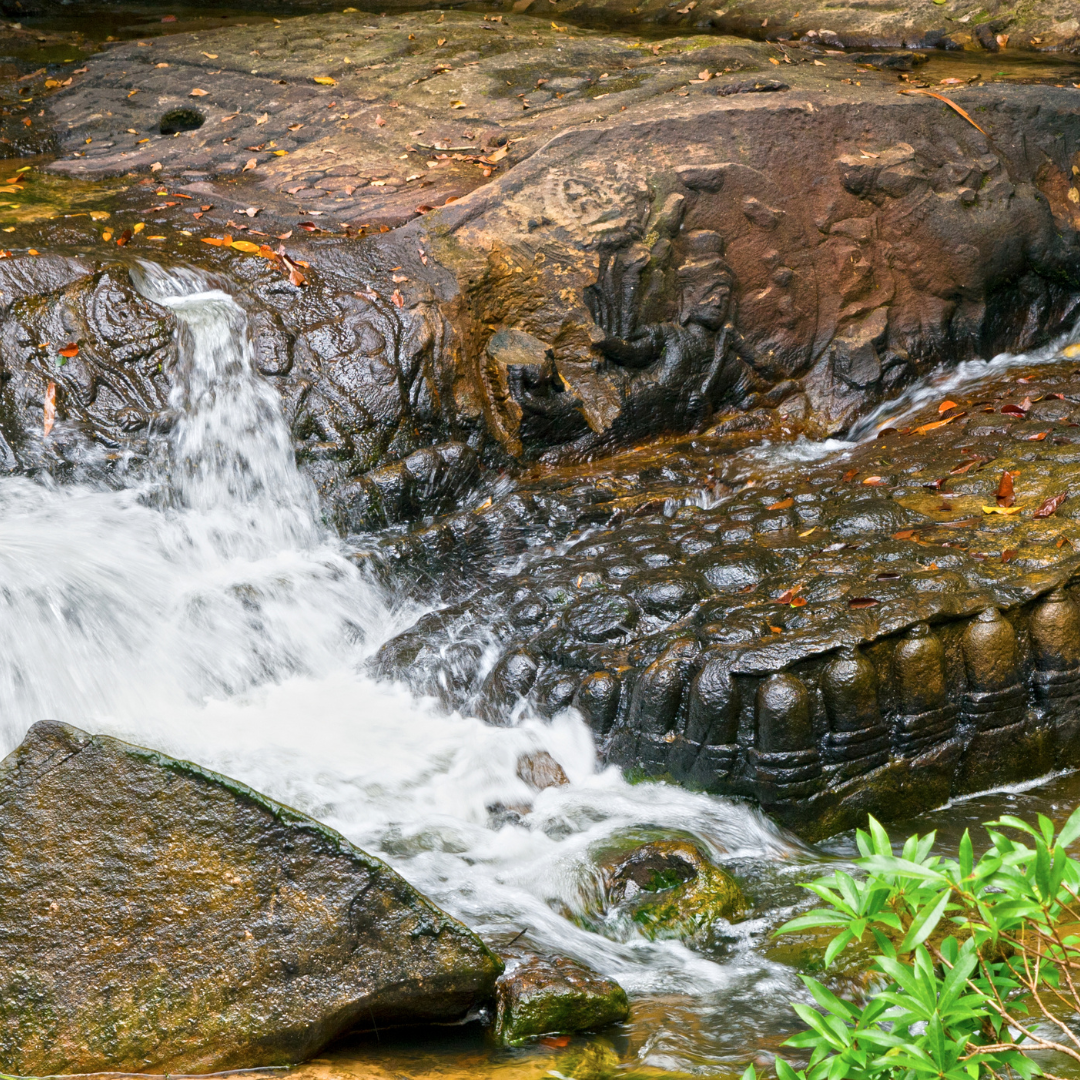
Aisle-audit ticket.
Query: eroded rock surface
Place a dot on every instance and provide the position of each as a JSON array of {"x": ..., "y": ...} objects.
[
  {"x": 541, "y": 996},
  {"x": 159, "y": 917},
  {"x": 852, "y": 634}
]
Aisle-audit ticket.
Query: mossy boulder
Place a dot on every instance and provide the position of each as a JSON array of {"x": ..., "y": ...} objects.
[
  {"x": 158, "y": 917},
  {"x": 541, "y": 996},
  {"x": 672, "y": 890}
]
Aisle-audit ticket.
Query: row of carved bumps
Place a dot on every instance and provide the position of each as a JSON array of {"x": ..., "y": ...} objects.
[{"x": 788, "y": 761}]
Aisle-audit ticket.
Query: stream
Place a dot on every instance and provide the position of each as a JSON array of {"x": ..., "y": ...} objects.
[{"x": 203, "y": 610}]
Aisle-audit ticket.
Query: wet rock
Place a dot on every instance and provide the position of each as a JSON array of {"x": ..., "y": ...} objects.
[
  {"x": 540, "y": 770},
  {"x": 671, "y": 890},
  {"x": 540, "y": 996},
  {"x": 160, "y": 917}
]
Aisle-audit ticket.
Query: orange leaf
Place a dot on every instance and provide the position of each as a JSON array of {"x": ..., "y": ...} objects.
[
  {"x": 1005, "y": 491},
  {"x": 876, "y": 481},
  {"x": 1037, "y": 437},
  {"x": 945, "y": 406},
  {"x": 783, "y": 504},
  {"x": 246, "y": 245},
  {"x": 952, "y": 105},
  {"x": 1010, "y": 553},
  {"x": 215, "y": 240},
  {"x": 50, "y": 407},
  {"x": 903, "y": 534},
  {"x": 777, "y": 629},
  {"x": 850, "y": 475},
  {"x": 70, "y": 350},
  {"x": 789, "y": 594},
  {"x": 296, "y": 278},
  {"x": 799, "y": 601},
  {"x": 935, "y": 424}
]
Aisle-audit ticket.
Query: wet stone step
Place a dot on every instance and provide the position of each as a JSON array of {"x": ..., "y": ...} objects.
[{"x": 828, "y": 631}]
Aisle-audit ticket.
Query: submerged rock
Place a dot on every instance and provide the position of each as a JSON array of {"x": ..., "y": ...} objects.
[
  {"x": 158, "y": 917},
  {"x": 541, "y": 996},
  {"x": 671, "y": 890}
]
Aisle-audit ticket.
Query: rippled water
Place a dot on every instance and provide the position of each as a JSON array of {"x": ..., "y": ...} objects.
[{"x": 206, "y": 612}]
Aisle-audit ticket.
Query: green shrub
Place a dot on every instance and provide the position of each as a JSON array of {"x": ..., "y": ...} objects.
[{"x": 978, "y": 960}]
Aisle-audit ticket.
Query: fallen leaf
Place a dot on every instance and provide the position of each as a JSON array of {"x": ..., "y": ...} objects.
[
  {"x": 295, "y": 277},
  {"x": 555, "y": 1042},
  {"x": 789, "y": 594},
  {"x": 857, "y": 602},
  {"x": 251, "y": 164},
  {"x": 875, "y": 481},
  {"x": 952, "y": 105},
  {"x": 1005, "y": 492},
  {"x": 210, "y": 55},
  {"x": 397, "y": 279},
  {"x": 156, "y": 167},
  {"x": 1071, "y": 351},
  {"x": 799, "y": 601},
  {"x": 850, "y": 475},
  {"x": 325, "y": 80},
  {"x": 1006, "y": 510},
  {"x": 903, "y": 534},
  {"x": 1050, "y": 505},
  {"x": 214, "y": 240},
  {"x": 69, "y": 350},
  {"x": 398, "y": 299},
  {"x": 124, "y": 237},
  {"x": 961, "y": 469},
  {"x": 803, "y": 535},
  {"x": 776, "y": 629},
  {"x": 945, "y": 406},
  {"x": 139, "y": 226},
  {"x": 888, "y": 575},
  {"x": 198, "y": 93},
  {"x": 783, "y": 504},
  {"x": 924, "y": 428},
  {"x": 251, "y": 211},
  {"x": 295, "y": 127},
  {"x": 309, "y": 226},
  {"x": 1037, "y": 437},
  {"x": 1009, "y": 554},
  {"x": 245, "y": 245},
  {"x": 284, "y": 235},
  {"x": 1063, "y": 540},
  {"x": 379, "y": 121},
  {"x": 50, "y": 407},
  {"x": 1012, "y": 410}
]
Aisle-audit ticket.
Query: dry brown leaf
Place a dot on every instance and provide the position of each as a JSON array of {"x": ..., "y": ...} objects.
[
  {"x": 783, "y": 504},
  {"x": 903, "y": 534},
  {"x": 857, "y": 602},
  {"x": 1009, "y": 554},
  {"x": 875, "y": 481},
  {"x": 398, "y": 299},
  {"x": 198, "y": 93},
  {"x": 850, "y": 475},
  {"x": 379, "y": 121},
  {"x": 1049, "y": 506},
  {"x": 789, "y": 594},
  {"x": 1006, "y": 492},
  {"x": 252, "y": 163}
]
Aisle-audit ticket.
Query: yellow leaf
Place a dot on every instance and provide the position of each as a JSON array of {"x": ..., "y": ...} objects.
[
  {"x": 155, "y": 238},
  {"x": 1071, "y": 351},
  {"x": 210, "y": 55},
  {"x": 1006, "y": 510},
  {"x": 139, "y": 226},
  {"x": 281, "y": 153},
  {"x": 246, "y": 245},
  {"x": 325, "y": 80},
  {"x": 457, "y": 104},
  {"x": 99, "y": 215},
  {"x": 107, "y": 235},
  {"x": 262, "y": 119}
]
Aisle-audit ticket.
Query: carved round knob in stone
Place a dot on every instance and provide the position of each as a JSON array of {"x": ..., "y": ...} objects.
[
  {"x": 849, "y": 685},
  {"x": 783, "y": 715},
  {"x": 919, "y": 663},
  {"x": 714, "y": 704},
  {"x": 597, "y": 698},
  {"x": 1055, "y": 632},
  {"x": 990, "y": 652}
]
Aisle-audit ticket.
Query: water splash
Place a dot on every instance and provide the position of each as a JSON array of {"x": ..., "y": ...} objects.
[{"x": 208, "y": 613}]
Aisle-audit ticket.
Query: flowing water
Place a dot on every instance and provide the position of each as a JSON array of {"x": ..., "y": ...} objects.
[{"x": 204, "y": 611}]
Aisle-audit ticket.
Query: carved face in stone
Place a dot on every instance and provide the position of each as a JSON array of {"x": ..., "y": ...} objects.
[{"x": 705, "y": 281}]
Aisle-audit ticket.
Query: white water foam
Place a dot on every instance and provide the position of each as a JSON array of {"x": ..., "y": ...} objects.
[{"x": 209, "y": 614}]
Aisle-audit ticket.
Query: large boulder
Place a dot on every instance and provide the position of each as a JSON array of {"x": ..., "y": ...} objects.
[{"x": 158, "y": 917}]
